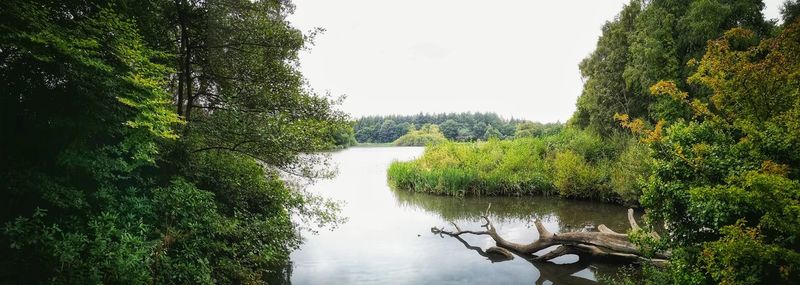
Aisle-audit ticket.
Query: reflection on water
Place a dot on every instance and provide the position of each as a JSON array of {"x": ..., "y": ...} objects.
[{"x": 387, "y": 239}]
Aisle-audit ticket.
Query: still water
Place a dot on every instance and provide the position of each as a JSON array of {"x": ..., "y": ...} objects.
[{"x": 387, "y": 238}]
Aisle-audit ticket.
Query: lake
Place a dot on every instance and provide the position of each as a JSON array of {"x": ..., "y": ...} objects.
[{"x": 387, "y": 238}]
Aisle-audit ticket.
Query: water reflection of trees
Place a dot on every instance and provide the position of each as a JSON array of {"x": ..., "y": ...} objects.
[
  {"x": 280, "y": 275},
  {"x": 571, "y": 215}
]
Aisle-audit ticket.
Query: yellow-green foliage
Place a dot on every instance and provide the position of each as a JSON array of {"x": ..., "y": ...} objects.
[
  {"x": 571, "y": 163},
  {"x": 573, "y": 176},
  {"x": 630, "y": 171},
  {"x": 742, "y": 245},
  {"x": 427, "y": 135},
  {"x": 488, "y": 168},
  {"x": 726, "y": 180}
]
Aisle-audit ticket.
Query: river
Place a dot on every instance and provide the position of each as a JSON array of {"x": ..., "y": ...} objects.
[{"x": 387, "y": 238}]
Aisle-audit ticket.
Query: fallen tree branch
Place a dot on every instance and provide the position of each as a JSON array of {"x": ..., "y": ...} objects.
[
  {"x": 605, "y": 244},
  {"x": 632, "y": 221}
]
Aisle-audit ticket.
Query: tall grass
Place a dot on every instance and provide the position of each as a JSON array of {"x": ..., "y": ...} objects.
[{"x": 572, "y": 164}]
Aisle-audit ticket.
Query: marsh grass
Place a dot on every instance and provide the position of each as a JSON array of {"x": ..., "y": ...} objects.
[{"x": 572, "y": 163}]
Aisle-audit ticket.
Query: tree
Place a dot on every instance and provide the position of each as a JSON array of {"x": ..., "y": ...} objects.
[
  {"x": 240, "y": 91},
  {"x": 390, "y": 131},
  {"x": 526, "y": 129},
  {"x": 147, "y": 141},
  {"x": 427, "y": 135},
  {"x": 649, "y": 42},
  {"x": 464, "y": 134},
  {"x": 344, "y": 137},
  {"x": 492, "y": 133},
  {"x": 733, "y": 168},
  {"x": 605, "y": 91},
  {"x": 450, "y": 124},
  {"x": 790, "y": 11},
  {"x": 365, "y": 135},
  {"x": 83, "y": 113},
  {"x": 478, "y": 129},
  {"x": 450, "y": 128}
]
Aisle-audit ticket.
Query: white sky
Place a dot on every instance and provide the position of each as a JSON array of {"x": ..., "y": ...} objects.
[{"x": 516, "y": 58}]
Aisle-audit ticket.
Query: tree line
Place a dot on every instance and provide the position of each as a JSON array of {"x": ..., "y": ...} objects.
[
  {"x": 455, "y": 126},
  {"x": 154, "y": 141}
]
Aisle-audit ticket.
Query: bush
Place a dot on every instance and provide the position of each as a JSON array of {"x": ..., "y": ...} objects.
[
  {"x": 629, "y": 173},
  {"x": 742, "y": 257},
  {"x": 574, "y": 177},
  {"x": 238, "y": 218},
  {"x": 427, "y": 135}
]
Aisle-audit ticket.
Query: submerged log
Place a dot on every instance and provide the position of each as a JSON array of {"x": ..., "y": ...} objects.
[
  {"x": 603, "y": 245},
  {"x": 501, "y": 252}
]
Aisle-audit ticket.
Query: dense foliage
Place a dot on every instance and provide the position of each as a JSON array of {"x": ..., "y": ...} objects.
[
  {"x": 146, "y": 141},
  {"x": 572, "y": 163},
  {"x": 732, "y": 168},
  {"x": 427, "y": 135},
  {"x": 536, "y": 129},
  {"x": 343, "y": 136},
  {"x": 454, "y": 126},
  {"x": 651, "y": 41}
]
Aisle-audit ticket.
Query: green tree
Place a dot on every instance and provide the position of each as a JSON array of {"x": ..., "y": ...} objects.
[
  {"x": 732, "y": 170},
  {"x": 450, "y": 128},
  {"x": 492, "y": 133},
  {"x": 238, "y": 88},
  {"x": 650, "y": 41},
  {"x": 528, "y": 129},
  {"x": 146, "y": 140},
  {"x": 344, "y": 136},
  {"x": 605, "y": 91},
  {"x": 464, "y": 134},
  {"x": 83, "y": 114},
  {"x": 790, "y": 11},
  {"x": 427, "y": 135},
  {"x": 368, "y": 128}
]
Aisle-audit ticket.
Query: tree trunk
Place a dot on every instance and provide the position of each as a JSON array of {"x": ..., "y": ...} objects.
[
  {"x": 181, "y": 54},
  {"x": 189, "y": 83},
  {"x": 185, "y": 97},
  {"x": 603, "y": 245}
]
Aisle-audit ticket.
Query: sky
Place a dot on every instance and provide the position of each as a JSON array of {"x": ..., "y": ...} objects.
[{"x": 515, "y": 58}]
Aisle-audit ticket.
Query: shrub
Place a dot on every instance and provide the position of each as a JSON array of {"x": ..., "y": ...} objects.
[
  {"x": 573, "y": 176},
  {"x": 427, "y": 135},
  {"x": 629, "y": 173}
]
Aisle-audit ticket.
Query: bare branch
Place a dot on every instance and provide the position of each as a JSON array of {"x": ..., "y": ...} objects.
[
  {"x": 632, "y": 221},
  {"x": 605, "y": 244}
]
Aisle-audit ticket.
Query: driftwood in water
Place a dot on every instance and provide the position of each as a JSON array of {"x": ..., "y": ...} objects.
[
  {"x": 603, "y": 245},
  {"x": 554, "y": 273}
]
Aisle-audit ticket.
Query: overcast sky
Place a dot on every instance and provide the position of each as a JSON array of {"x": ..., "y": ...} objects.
[{"x": 516, "y": 58}]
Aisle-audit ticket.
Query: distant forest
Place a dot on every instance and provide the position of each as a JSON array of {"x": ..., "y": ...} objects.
[{"x": 465, "y": 126}]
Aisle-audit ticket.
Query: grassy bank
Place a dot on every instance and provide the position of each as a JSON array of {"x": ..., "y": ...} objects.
[{"x": 572, "y": 164}]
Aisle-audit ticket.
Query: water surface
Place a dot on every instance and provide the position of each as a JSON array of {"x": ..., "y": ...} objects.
[{"x": 387, "y": 239}]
